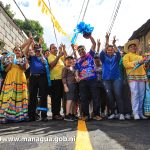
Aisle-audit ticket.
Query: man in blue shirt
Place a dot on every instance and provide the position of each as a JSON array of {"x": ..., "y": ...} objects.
[
  {"x": 112, "y": 78},
  {"x": 88, "y": 81},
  {"x": 37, "y": 81}
]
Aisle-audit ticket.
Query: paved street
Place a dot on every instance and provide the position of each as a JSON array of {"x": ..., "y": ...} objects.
[{"x": 103, "y": 135}]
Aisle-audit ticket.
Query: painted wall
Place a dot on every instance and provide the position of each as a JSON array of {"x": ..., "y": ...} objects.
[{"x": 10, "y": 33}]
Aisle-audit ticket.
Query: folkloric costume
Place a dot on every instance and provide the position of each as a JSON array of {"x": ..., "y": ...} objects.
[
  {"x": 14, "y": 94},
  {"x": 136, "y": 77}
]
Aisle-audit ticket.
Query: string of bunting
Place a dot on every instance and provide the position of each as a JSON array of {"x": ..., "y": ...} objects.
[{"x": 45, "y": 10}]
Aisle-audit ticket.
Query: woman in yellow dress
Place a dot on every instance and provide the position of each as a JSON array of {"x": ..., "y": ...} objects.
[{"x": 14, "y": 95}]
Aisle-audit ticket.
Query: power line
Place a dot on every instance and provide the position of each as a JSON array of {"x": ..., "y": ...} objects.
[
  {"x": 53, "y": 26},
  {"x": 26, "y": 20},
  {"x": 114, "y": 17},
  {"x": 20, "y": 10},
  {"x": 85, "y": 10},
  {"x": 81, "y": 11},
  {"x": 82, "y": 16},
  {"x": 114, "y": 9}
]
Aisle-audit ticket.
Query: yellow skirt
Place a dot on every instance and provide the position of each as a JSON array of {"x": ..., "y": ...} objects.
[{"x": 14, "y": 96}]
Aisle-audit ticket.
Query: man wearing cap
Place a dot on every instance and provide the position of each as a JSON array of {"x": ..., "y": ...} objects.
[
  {"x": 38, "y": 79},
  {"x": 88, "y": 80},
  {"x": 136, "y": 77}
]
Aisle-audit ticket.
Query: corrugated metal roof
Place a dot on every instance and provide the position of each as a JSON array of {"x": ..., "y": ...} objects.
[{"x": 142, "y": 31}]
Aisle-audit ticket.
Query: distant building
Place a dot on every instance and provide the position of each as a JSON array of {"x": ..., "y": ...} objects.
[
  {"x": 143, "y": 34},
  {"x": 10, "y": 34}
]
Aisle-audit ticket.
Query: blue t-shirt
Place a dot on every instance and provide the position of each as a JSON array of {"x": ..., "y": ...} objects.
[
  {"x": 36, "y": 65},
  {"x": 86, "y": 67},
  {"x": 110, "y": 66}
]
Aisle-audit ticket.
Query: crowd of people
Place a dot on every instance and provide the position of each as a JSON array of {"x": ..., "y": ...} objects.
[{"x": 113, "y": 83}]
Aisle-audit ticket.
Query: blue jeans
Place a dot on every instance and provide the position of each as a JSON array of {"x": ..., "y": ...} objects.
[
  {"x": 114, "y": 93},
  {"x": 88, "y": 90}
]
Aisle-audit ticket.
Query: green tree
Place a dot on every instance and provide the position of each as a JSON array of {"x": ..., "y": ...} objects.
[
  {"x": 7, "y": 8},
  {"x": 32, "y": 26},
  {"x": 27, "y": 26}
]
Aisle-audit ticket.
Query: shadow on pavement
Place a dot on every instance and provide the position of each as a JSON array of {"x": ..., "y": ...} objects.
[
  {"x": 115, "y": 134},
  {"x": 51, "y": 129},
  {"x": 38, "y": 127}
]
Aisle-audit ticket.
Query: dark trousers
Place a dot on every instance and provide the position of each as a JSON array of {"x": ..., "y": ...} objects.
[
  {"x": 35, "y": 83},
  {"x": 102, "y": 98},
  {"x": 113, "y": 90},
  {"x": 88, "y": 90},
  {"x": 56, "y": 96},
  {"x": 127, "y": 98}
]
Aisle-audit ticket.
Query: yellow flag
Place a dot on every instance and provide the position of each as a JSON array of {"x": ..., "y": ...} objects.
[
  {"x": 47, "y": 11},
  {"x": 43, "y": 9},
  {"x": 39, "y": 2}
]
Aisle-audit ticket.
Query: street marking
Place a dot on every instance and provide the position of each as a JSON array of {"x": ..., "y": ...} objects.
[{"x": 82, "y": 140}]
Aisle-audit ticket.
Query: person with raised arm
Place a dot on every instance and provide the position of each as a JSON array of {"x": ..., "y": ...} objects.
[
  {"x": 111, "y": 78},
  {"x": 56, "y": 62},
  {"x": 14, "y": 94},
  {"x": 38, "y": 80},
  {"x": 100, "y": 86},
  {"x": 88, "y": 80}
]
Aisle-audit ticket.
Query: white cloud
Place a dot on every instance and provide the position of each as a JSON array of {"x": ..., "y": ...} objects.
[{"x": 24, "y": 3}]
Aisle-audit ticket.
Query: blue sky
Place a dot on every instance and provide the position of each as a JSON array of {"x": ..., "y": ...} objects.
[{"x": 132, "y": 14}]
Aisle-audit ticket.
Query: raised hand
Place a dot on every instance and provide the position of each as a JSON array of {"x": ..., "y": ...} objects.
[
  {"x": 107, "y": 36},
  {"x": 63, "y": 46},
  {"x": 40, "y": 40},
  {"x": 107, "y": 40},
  {"x": 86, "y": 35},
  {"x": 30, "y": 35},
  {"x": 98, "y": 45},
  {"x": 61, "y": 54},
  {"x": 64, "y": 49},
  {"x": 114, "y": 40},
  {"x": 73, "y": 47},
  {"x": 60, "y": 48}
]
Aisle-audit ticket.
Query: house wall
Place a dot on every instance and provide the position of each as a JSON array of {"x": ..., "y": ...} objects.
[
  {"x": 10, "y": 33},
  {"x": 147, "y": 42}
]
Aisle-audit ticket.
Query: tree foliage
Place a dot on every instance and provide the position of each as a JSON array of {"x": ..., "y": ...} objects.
[
  {"x": 7, "y": 8},
  {"x": 27, "y": 26},
  {"x": 32, "y": 26}
]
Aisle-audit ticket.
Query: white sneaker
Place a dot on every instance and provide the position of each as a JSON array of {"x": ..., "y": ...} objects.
[
  {"x": 117, "y": 116},
  {"x": 127, "y": 116},
  {"x": 121, "y": 117},
  {"x": 143, "y": 117},
  {"x": 136, "y": 117},
  {"x": 111, "y": 116}
]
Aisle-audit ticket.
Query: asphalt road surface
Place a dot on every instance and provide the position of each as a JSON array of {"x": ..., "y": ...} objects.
[{"x": 62, "y": 135}]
